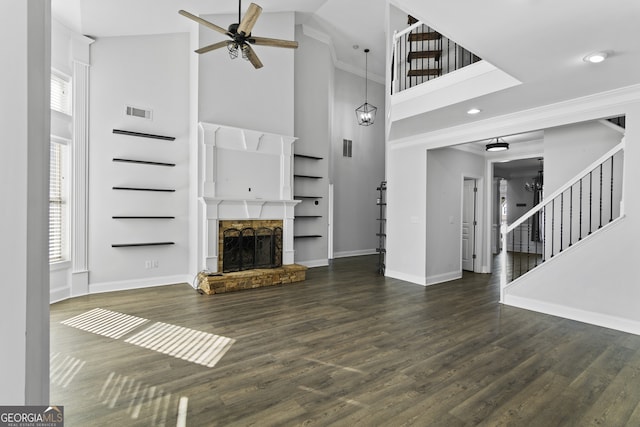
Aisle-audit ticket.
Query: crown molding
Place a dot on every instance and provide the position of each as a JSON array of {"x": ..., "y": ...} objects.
[
  {"x": 326, "y": 39},
  {"x": 590, "y": 107}
]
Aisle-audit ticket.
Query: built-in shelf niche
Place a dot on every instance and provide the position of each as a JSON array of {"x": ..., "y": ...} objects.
[{"x": 309, "y": 163}]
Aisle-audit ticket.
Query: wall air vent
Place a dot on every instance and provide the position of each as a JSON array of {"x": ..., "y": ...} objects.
[
  {"x": 138, "y": 112},
  {"x": 347, "y": 145}
]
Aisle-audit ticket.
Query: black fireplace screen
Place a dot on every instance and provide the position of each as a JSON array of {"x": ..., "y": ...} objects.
[{"x": 251, "y": 248}]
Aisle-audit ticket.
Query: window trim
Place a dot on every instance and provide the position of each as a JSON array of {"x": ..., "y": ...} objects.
[{"x": 65, "y": 198}]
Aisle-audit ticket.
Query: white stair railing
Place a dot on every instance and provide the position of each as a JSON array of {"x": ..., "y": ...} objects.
[{"x": 585, "y": 204}]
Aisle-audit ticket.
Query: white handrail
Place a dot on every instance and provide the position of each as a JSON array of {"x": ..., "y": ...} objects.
[
  {"x": 566, "y": 186},
  {"x": 399, "y": 34}
]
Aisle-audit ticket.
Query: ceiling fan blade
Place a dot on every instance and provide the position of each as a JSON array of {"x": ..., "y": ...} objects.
[
  {"x": 265, "y": 41},
  {"x": 207, "y": 24},
  {"x": 211, "y": 47},
  {"x": 251, "y": 56},
  {"x": 249, "y": 19}
]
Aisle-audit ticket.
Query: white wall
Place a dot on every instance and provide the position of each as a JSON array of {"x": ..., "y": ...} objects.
[
  {"x": 597, "y": 280},
  {"x": 446, "y": 170},
  {"x": 571, "y": 148},
  {"x": 356, "y": 178},
  {"x": 406, "y": 214},
  {"x": 24, "y": 118},
  {"x": 233, "y": 93},
  {"x": 148, "y": 72},
  {"x": 313, "y": 104}
]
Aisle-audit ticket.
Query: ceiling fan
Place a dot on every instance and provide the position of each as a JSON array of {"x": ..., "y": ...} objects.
[{"x": 240, "y": 34}]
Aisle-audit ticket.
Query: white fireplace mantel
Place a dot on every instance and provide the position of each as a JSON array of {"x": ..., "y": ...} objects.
[{"x": 243, "y": 174}]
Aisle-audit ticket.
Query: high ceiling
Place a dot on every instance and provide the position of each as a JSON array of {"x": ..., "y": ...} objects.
[
  {"x": 348, "y": 23},
  {"x": 541, "y": 43}
]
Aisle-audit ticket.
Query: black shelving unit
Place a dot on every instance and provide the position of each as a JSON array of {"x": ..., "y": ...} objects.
[
  {"x": 307, "y": 200},
  {"x": 381, "y": 202},
  {"x": 135, "y": 245},
  {"x": 161, "y": 190},
  {"x": 306, "y": 156},
  {"x": 142, "y": 217},
  {"x": 143, "y": 135},
  {"x": 307, "y": 176},
  {"x": 142, "y": 162}
]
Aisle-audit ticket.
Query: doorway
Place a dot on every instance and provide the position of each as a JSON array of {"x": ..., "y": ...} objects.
[{"x": 469, "y": 223}]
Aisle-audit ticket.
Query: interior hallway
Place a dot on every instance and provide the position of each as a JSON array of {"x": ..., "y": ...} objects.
[{"x": 345, "y": 347}]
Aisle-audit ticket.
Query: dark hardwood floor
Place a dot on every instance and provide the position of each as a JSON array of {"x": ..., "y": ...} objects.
[{"x": 345, "y": 347}]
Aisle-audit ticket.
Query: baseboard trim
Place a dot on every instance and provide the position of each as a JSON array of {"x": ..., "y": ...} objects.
[
  {"x": 592, "y": 318},
  {"x": 60, "y": 294},
  {"x": 126, "y": 285},
  {"x": 444, "y": 277},
  {"x": 314, "y": 263},
  {"x": 348, "y": 254},
  {"x": 405, "y": 277}
]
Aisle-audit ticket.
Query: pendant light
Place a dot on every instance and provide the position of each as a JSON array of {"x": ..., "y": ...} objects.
[
  {"x": 497, "y": 146},
  {"x": 366, "y": 113}
]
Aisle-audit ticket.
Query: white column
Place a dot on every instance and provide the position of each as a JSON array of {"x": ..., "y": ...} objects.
[
  {"x": 79, "y": 189},
  {"x": 208, "y": 160},
  {"x": 25, "y": 43}
]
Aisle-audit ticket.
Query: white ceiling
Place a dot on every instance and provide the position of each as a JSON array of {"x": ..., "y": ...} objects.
[
  {"x": 348, "y": 23},
  {"x": 539, "y": 42}
]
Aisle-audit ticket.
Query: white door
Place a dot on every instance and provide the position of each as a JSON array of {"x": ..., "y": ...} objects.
[{"x": 468, "y": 224}]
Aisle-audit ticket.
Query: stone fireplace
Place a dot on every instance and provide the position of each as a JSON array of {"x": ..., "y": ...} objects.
[{"x": 245, "y": 186}]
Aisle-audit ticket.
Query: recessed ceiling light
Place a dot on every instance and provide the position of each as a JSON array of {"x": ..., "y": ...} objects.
[
  {"x": 355, "y": 46},
  {"x": 596, "y": 57},
  {"x": 473, "y": 111}
]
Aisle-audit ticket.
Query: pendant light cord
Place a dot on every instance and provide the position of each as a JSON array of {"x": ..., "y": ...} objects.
[
  {"x": 239, "y": 10},
  {"x": 366, "y": 74}
]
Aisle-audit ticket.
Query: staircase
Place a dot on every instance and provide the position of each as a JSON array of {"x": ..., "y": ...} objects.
[
  {"x": 581, "y": 208},
  {"x": 424, "y": 51},
  {"x": 422, "y": 54}
]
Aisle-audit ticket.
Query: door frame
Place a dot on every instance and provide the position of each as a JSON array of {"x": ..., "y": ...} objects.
[{"x": 480, "y": 264}]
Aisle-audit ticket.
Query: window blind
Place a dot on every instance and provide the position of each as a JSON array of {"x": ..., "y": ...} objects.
[
  {"x": 60, "y": 93},
  {"x": 56, "y": 204}
]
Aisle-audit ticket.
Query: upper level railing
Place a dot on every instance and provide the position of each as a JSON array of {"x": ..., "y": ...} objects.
[
  {"x": 421, "y": 54},
  {"x": 579, "y": 208}
]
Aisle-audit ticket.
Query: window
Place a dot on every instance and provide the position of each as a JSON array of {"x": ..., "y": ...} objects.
[
  {"x": 57, "y": 201},
  {"x": 60, "y": 93}
]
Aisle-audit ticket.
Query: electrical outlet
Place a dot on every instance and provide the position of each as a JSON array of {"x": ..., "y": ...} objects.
[
  {"x": 147, "y": 264},
  {"x": 154, "y": 263}
]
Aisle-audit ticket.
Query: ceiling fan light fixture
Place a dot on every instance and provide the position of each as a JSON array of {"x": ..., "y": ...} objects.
[
  {"x": 241, "y": 36},
  {"x": 232, "y": 47},
  {"x": 497, "y": 146}
]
